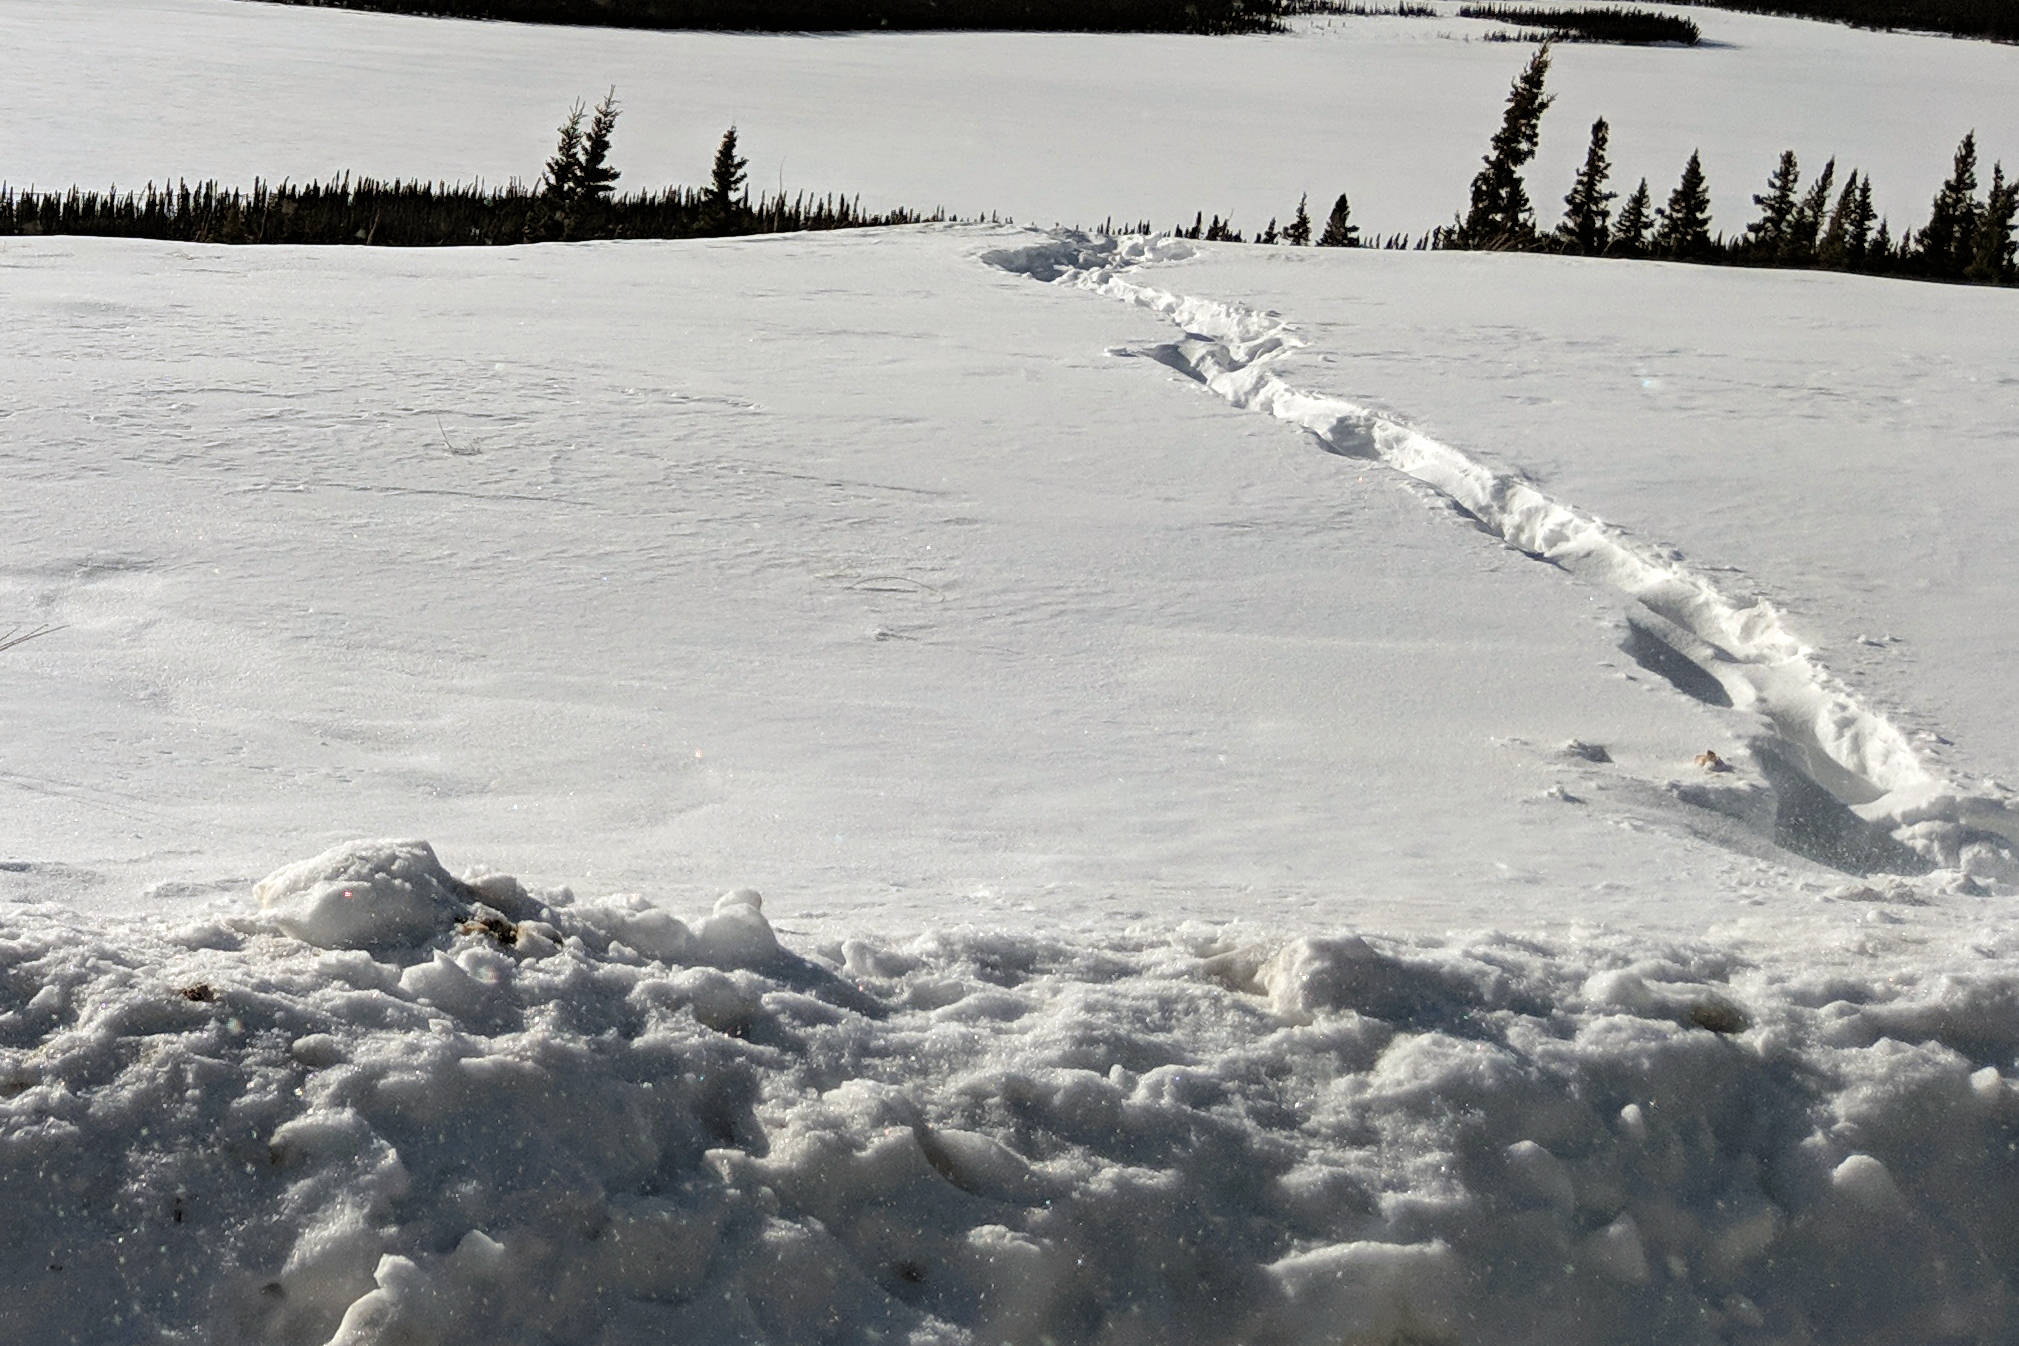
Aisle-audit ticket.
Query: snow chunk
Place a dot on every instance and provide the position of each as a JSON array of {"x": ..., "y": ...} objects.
[
  {"x": 364, "y": 895},
  {"x": 1617, "y": 1252},
  {"x": 1364, "y": 1293},
  {"x": 1541, "y": 1176},
  {"x": 737, "y": 935},
  {"x": 1865, "y": 1180},
  {"x": 1310, "y": 976}
]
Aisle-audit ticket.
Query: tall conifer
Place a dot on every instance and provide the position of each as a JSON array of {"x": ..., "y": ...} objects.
[
  {"x": 1844, "y": 236},
  {"x": 1883, "y": 253},
  {"x": 1798, "y": 246},
  {"x": 725, "y": 182},
  {"x": 595, "y": 176},
  {"x": 1858, "y": 236},
  {"x": 1992, "y": 259},
  {"x": 1684, "y": 232},
  {"x": 1947, "y": 242},
  {"x": 563, "y": 175},
  {"x": 1777, "y": 207},
  {"x": 1500, "y": 214},
  {"x": 1587, "y": 215},
  {"x": 1340, "y": 231}
]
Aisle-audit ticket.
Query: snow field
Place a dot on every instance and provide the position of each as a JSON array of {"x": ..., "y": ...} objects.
[
  {"x": 1219, "y": 887},
  {"x": 395, "y": 1106},
  {"x": 848, "y": 568}
]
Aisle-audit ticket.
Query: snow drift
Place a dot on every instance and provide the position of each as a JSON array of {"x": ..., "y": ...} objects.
[{"x": 393, "y": 1105}]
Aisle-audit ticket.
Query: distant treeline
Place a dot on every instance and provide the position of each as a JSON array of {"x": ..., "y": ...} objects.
[
  {"x": 1961, "y": 18},
  {"x": 792, "y": 16},
  {"x": 1823, "y": 224},
  {"x": 1827, "y": 223},
  {"x": 1406, "y": 9},
  {"x": 1633, "y": 27},
  {"x": 575, "y": 198},
  {"x": 413, "y": 214}
]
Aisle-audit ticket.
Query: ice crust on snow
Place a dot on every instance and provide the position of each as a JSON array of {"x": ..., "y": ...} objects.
[
  {"x": 1832, "y": 763},
  {"x": 588, "y": 1122}
]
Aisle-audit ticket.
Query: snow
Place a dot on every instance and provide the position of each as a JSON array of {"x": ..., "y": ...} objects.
[
  {"x": 1215, "y": 731},
  {"x": 531, "y": 1129}
]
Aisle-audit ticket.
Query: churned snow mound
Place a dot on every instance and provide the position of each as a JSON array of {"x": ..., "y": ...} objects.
[{"x": 518, "y": 1117}]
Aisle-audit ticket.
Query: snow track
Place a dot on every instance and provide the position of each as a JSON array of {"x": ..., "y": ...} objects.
[{"x": 1849, "y": 789}]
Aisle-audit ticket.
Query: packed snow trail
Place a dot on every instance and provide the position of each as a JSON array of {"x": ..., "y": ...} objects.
[{"x": 1846, "y": 786}]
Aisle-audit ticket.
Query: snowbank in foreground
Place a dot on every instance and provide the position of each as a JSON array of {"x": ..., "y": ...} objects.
[{"x": 396, "y": 1106}]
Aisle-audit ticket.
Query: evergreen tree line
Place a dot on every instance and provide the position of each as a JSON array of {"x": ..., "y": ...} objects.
[
  {"x": 575, "y": 198},
  {"x": 1405, "y": 9},
  {"x": 1959, "y": 18},
  {"x": 1624, "y": 26},
  {"x": 800, "y": 16},
  {"x": 1962, "y": 18},
  {"x": 1826, "y": 224}
]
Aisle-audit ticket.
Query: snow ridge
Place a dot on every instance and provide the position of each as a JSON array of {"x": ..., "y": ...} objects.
[{"x": 1810, "y": 723}]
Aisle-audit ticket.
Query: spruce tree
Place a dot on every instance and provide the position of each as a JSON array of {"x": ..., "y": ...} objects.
[
  {"x": 720, "y": 201},
  {"x": 1993, "y": 258},
  {"x": 1684, "y": 231},
  {"x": 1777, "y": 208},
  {"x": 1298, "y": 235},
  {"x": 1587, "y": 216},
  {"x": 1858, "y": 233},
  {"x": 562, "y": 178},
  {"x": 1947, "y": 242},
  {"x": 1636, "y": 217},
  {"x": 1881, "y": 255},
  {"x": 1835, "y": 248},
  {"x": 1499, "y": 214},
  {"x": 595, "y": 176},
  {"x": 1340, "y": 231},
  {"x": 1798, "y": 246}
]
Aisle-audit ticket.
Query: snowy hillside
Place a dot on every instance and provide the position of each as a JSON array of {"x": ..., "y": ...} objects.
[{"x": 1221, "y": 735}]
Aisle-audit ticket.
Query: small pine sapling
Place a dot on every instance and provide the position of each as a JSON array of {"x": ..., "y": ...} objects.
[
  {"x": 725, "y": 184},
  {"x": 1636, "y": 217},
  {"x": 1298, "y": 234}
]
